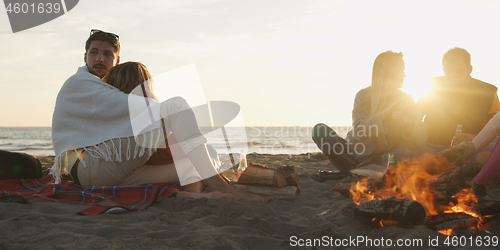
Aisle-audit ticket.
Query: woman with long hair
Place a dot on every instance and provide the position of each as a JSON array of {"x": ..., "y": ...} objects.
[{"x": 384, "y": 119}]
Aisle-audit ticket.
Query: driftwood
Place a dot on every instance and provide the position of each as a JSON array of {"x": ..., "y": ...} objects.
[
  {"x": 274, "y": 193},
  {"x": 291, "y": 176},
  {"x": 458, "y": 221},
  {"x": 281, "y": 183},
  {"x": 229, "y": 175},
  {"x": 259, "y": 174}
]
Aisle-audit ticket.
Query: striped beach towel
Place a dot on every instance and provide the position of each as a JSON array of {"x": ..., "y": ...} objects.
[{"x": 99, "y": 199}]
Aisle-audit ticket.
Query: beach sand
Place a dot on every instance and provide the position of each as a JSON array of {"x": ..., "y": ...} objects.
[{"x": 185, "y": 223}]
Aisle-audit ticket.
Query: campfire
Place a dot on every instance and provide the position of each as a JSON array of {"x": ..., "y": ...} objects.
[{"x": 430, "y": 180}]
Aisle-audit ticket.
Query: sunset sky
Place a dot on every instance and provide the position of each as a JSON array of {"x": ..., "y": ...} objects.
[{"x": 285, "y": 62}]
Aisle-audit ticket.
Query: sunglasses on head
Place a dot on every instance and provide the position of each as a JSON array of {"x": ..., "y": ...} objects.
[{"x": 93, "y": 31}]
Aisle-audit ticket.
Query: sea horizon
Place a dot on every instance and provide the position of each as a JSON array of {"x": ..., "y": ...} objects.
[{"x": 253, "y": 139}]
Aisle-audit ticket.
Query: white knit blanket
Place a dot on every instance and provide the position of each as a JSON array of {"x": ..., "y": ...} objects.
[{"x": 88, "y": 112}]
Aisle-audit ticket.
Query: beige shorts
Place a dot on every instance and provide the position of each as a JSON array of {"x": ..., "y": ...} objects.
[
  {"x": 99, "y": 172},
  {"x": 102, "y": 173}
]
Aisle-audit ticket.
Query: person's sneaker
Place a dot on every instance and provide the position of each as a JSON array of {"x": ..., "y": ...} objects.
[{"x": 325, "y": 175}]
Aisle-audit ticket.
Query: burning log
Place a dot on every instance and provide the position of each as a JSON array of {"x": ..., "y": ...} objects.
[
  {"x": 455, "y": 221},
  {"x": 466, "y": 232},
  {"x": 487, "y": 207},
  {"x": 446, "y": 186},
  {"x": 405, "y": 211}
]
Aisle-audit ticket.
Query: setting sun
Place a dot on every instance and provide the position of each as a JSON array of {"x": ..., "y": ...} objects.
[
  {"x": 417, "y": 89},
  {"x": 422, "y": 64}
]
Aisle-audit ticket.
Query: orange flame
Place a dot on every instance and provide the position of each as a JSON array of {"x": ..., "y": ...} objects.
[
  {"x": 411, "y": 179},
  {"x": 360, "y": 191},
  {"x": 446, "y": 231},
  {"x": 465, "y": 198},
  {"x": 385, "y": 222}
]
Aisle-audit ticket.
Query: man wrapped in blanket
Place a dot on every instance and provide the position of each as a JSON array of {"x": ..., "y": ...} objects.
[{"x": 95, "y": 142}]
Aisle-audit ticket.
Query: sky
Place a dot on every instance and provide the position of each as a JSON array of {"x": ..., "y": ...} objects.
[{"x": 285, "y": 62}]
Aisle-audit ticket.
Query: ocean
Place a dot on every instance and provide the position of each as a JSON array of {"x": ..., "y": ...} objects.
[{"x": 264, "y": 140}]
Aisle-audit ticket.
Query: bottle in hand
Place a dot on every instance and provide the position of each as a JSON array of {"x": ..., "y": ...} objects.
[
  {"x": 457, "y": 132},
  {"x": 390, "y": 160}
]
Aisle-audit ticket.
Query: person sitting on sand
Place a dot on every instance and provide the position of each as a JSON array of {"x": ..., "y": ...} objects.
[
  {"x": 93, "y": 136},
  {"x": 457, "y": 98},
  {"x": 384, "y": 119}
]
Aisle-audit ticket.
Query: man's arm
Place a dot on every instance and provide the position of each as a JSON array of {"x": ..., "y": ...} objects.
[{"x": 463, "y": 137}]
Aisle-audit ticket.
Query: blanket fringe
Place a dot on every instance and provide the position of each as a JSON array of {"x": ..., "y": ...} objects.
[{"x": 146, "y": 143}]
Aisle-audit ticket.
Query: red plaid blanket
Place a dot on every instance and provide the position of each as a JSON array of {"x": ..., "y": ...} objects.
[{"x": 99, "y": 199}]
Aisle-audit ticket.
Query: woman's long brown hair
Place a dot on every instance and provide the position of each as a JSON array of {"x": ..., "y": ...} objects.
[{"x": 127, "y": 76}]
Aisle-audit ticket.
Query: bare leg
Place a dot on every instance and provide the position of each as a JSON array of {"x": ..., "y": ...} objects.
[
  {"x": 180, "y": 119},
  {"x": 201, "y": 161},
  {"x": 195, "y": 187}
]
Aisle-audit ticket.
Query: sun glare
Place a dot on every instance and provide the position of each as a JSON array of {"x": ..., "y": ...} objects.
[
  {"x": 421, "y": 66},
  {"x": 417, "y": 89}
]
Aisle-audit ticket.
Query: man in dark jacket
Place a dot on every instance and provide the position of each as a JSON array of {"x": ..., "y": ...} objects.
[{"x": 457, "y": 98}]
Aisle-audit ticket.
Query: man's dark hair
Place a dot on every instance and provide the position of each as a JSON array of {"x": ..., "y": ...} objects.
[
  {"x": 457, "y": 53},
  {"x": 103, "y": 37}
]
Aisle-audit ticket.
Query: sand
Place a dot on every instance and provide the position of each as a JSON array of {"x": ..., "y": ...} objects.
[{"x": 185, "y": 223}]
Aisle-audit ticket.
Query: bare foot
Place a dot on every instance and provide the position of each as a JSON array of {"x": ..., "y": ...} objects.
[{"x": 211, "y": 195}]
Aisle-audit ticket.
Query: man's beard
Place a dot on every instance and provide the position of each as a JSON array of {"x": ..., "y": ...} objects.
[{"x": 92, "y": 71}]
